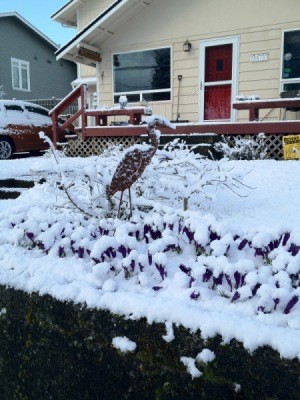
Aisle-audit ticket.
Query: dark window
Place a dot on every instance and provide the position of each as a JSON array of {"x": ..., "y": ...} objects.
[
  {"x": 291, "y": 55},
  {"x": 291, "y": 86},
  {"x": 143, "y": 71}
]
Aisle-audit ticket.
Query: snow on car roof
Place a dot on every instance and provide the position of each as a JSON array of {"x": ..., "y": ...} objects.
[{"x": 16, "y": 117}]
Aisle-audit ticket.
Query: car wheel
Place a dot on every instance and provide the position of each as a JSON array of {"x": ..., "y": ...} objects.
[{"x": 6, "y": 149}]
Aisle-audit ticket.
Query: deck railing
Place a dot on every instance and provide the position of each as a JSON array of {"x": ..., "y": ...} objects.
[{"x": 78, "y": 93}]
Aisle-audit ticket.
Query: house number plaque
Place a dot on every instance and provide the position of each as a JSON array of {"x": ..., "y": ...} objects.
[{"x": 259, "y": 57}]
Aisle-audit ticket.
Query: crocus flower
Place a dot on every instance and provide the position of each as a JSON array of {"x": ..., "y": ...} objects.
[{"x": 290, "y": 304}]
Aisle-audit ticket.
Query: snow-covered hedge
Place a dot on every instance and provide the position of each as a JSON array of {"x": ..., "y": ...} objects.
[{"x": 60, "y": 350}]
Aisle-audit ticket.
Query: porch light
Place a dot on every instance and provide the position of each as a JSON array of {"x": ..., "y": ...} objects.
[{"x": 187, "y": 46}]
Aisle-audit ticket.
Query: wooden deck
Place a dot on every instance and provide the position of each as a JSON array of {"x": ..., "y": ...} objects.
[
  {"x": 224, "y": 128},
  {"x": 102, "y": 128}
]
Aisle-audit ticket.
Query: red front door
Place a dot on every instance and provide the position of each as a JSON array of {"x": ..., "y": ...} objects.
[{"x": 217, "y": 83}]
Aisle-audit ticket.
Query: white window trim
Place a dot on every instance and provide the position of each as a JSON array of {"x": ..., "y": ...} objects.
[
  {"x": 19, "y": 62},
  {"x": 282, "y": 80},
  {"x": 144, "y": 91}
]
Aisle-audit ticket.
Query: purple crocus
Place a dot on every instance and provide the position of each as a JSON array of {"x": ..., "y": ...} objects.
[
  {"x": 255, "y": 288},
  {"x": 237, "y": 278},
  {"x": 195, "y": 295},
  {"x": 61, "y": 252},
  {"x": 259, "y": 252},
  {"x": 72, "y": 246},
  {"x": 285, "y": 238},
  {"x": 227, "y": 277},
  {"x": 235, "y": 297},
  {"x": 207, "y": 275},
  {"x": 30, "y": 235},
  {"x": 122, "y": 249},
  {"x": 161, "y": 270},
  {"x": 155, "y": 234},
  {"x": 192, "y": 280},
  {"x": 218, "y": 280},
  {"x": 141, "y": 266},
  {"x": 290, "y": 304},
  {"x": 186, "y": 270},
  {"x": 80, "y": 252},
  {"x": 276, "y": 302},
  {"x": 132, "y": 265},
  {"x": 214, "y": 236},
  {"x": 294, "y": 249},
  {"x": 189, "y": 234},
  {"x": 242, "y": 244}
]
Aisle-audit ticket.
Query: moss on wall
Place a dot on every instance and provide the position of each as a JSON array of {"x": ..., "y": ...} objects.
[{"x": 55, "y": 350}]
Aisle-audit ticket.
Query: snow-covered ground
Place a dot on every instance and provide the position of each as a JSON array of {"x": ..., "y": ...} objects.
[{"x": 228, "y": 265}]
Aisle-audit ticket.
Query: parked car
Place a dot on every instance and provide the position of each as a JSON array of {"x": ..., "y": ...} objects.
[{"x": 20, "y": 124}]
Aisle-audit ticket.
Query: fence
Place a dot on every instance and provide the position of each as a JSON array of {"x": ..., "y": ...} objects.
[{"x": 51, "y": 103}]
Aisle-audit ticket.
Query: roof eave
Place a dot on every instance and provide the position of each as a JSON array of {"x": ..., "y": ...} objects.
[
  {"x": 22, "y": 19},
  {"x": 100, "y": 28},
  {"x": 67, "y": 15},
  {"x": 69, "y": 50}
]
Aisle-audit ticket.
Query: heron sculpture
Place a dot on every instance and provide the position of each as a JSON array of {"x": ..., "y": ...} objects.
[{"x": 136, "y": 160}]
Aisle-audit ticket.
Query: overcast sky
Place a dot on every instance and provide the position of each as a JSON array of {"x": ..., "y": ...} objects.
[{"x": 38, "y": 13}]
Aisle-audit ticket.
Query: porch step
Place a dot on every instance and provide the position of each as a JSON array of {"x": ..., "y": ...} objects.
[{"x": 12, "y": 188}]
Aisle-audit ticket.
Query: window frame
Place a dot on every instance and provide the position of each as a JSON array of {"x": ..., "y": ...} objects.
[
  {"x": 19, "y": 66},
  {"x": 141, "y": 92},
  {"x": 287, "y": 81}
]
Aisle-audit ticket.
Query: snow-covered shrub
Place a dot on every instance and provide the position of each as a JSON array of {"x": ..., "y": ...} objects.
[
  {"x": 243, "y": 147},
  {"x": 177, "y": 173},
  {"x": 176, "y": 177}
]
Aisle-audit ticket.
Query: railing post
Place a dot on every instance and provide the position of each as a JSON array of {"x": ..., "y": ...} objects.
[
  {"x": 83, "y": 101},
  {"x": 79, "y": 92},
  {"x": 54, "y": 128}
]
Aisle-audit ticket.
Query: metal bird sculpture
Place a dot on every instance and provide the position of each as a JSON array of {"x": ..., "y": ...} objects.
[{"x": 136, "y": 160}]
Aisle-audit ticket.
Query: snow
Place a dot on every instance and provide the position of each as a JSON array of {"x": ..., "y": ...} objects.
[
  {"x": 191, "y": 368},
  {"x": 228, "y": 265},
  {"x": 169, "y": 336},
  {"x": 123, "y": 344},
  {"x": 205, "y": 356},
  {"x": 18, "y": 117}
]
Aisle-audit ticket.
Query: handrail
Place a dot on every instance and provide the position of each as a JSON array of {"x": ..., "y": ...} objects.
[{"x": 78, "y": 92}]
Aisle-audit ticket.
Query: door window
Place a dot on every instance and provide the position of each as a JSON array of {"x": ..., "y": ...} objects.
[{"x": 218, "y": 69}]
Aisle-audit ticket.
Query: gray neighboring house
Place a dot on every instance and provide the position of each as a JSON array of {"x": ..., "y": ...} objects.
[{"x": 28, "y": 66}]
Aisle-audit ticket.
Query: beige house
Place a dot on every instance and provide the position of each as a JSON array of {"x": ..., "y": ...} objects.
[{"x": 188, "y": 60}]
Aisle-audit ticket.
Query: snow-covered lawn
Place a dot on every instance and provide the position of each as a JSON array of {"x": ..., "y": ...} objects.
[{"x": 229, "y": 265}]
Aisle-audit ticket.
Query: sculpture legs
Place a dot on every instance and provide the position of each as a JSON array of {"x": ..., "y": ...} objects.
[
  {"x": 118, "y": 215},
  {"x": 130, "y": 204}
]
